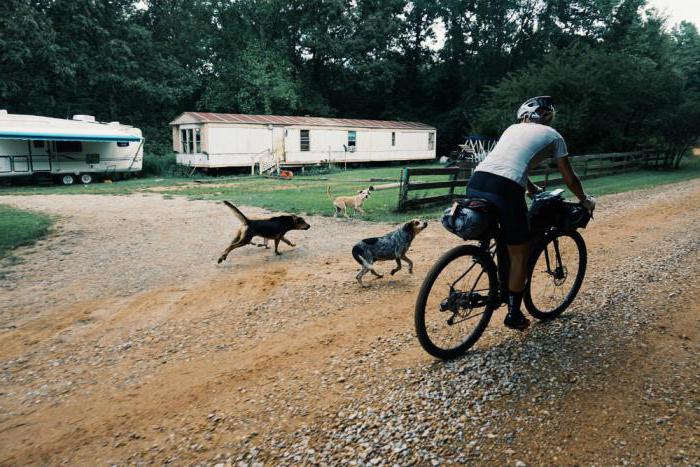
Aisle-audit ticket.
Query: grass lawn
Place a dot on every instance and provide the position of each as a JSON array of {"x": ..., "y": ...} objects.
[
  {"x": 19, "y": 228},
  {"x": 307, "y": 194}
]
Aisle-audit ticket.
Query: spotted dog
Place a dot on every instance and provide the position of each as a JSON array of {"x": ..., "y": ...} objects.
[{"x": 393, "y": 245}]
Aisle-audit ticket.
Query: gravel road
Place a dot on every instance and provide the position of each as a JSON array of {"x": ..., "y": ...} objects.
[{"x": 122, "y": 341}]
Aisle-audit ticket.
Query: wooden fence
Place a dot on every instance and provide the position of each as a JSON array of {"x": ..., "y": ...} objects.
[
  {"x": 588, "y": 166},
  {"x": 457, "y": 181}
]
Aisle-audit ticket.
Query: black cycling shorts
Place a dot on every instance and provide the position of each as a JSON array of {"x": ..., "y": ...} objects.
[{"x": 509, "y": 199}]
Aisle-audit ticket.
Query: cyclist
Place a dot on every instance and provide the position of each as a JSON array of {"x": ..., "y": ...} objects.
[{"x": 502, "y": 179}]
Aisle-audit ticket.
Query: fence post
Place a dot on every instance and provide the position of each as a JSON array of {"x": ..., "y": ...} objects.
[
  {"x": 403, "y": 190},
  {"x": 453, "y": 177}
]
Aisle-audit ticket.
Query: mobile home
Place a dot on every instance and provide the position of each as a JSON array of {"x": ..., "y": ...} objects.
[
  {"x": 207, "y": 140},
  {"x": 67, "y": 150}
]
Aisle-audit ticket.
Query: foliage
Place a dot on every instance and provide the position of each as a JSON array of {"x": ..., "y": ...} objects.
[
  {"x": 160, "y": 165},
  {"x": 621, "y": 76},
  {"x": 21, "y": 228}
]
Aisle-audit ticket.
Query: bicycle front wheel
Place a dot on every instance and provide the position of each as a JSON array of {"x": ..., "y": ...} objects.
[
  {"x": 556, "y": 270},
  {"x": 456, "y": 301}
]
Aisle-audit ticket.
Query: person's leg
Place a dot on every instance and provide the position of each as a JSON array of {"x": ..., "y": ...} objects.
[
  {"x": 515, "y": 318},
  {"x": 517, "y": 237},
  {"x": 509, "y": 199},
  {"x": 518, "y": 264}
]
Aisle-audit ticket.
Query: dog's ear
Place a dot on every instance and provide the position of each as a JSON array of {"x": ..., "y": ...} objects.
[
  {"x": 371, "y": 188},
  {"x": 408, "y": 227}
]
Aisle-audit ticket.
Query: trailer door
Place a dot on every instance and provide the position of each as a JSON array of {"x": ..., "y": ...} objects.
[
  {"x": 278, "y": 143},
  {"x": 39, "y": 155}
]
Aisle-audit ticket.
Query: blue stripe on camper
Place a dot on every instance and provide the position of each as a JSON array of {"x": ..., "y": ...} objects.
[{"x": 58, "y": 137}]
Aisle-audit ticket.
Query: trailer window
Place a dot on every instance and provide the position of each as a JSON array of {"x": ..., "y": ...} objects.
[
  {"x": 431, "y": 141},
  {"x": 352, "y": 139},
  {"x": 304, "y": 140},
  {"x": 183, "y": 140},
  {"x": 69, "y": 146},
  {"x": 393, "y": 138},
  {"x": 197, "y": 140}
]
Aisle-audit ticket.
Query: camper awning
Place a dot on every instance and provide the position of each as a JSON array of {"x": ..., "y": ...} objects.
[{"x": 68, "y": 137}]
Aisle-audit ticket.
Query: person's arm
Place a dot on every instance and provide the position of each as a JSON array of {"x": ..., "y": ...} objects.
[
  {"x": 570, "y": 178},
  {"x": 532, "y": 189}
]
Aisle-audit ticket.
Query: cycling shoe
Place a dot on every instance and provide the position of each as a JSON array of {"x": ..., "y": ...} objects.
[{"x": 516, "y": 320}]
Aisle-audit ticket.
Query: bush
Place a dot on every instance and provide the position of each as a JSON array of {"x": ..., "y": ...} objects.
[{"x": 161, "y": 165}]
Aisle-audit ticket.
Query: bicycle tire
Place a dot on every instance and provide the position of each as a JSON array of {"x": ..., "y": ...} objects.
[
  {"x": 419, "y": 317},
  {"x": 539, "y": 248}
]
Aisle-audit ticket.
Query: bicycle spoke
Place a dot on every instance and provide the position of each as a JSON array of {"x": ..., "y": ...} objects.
[
  {"x": 553, "y": 278},
  {"x": 456, "y": 302}
]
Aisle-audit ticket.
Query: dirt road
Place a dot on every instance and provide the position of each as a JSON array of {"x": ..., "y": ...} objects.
[{"x": 121, "y": 341}]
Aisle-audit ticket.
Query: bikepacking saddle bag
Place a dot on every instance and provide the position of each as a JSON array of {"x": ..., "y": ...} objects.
[{"x": 467, "y": 218}]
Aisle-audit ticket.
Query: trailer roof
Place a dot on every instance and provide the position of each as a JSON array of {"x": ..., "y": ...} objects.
[
  {"x": 35, "y": 127},
  {"x": 205, "y": 117},
  {"x": 67, "y": 137}
]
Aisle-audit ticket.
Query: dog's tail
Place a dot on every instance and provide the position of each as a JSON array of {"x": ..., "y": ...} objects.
[
  {"x": 356, "y": 253},
  {"x": 237, "y": 212}
]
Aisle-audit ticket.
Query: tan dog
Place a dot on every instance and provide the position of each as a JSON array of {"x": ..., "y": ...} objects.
[{"x": 355, "y": 202}]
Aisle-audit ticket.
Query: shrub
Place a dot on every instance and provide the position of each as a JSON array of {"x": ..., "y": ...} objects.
[{"x": 160, "y": 165}]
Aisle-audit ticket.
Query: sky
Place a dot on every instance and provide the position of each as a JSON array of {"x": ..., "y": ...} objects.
[{"x": 679, "y": 10}]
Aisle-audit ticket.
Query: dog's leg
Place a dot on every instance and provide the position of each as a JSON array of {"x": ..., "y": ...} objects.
[
  {"x": 287, "y": 241},
  {"x": 359, "y": 275},
  {"x": 409, "y": 262},
  {"x": 236, "y": 243},
  {"x": 346, "y": 212},
  {"x": 397, "y": 268},
  {"x": 277, "y": 244},
  {"x": 374, "y": 271}
]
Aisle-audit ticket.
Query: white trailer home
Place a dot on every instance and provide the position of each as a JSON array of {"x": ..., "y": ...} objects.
[
  {"x": 67, "y": 150},
  {"x": 207, "y": 140}
]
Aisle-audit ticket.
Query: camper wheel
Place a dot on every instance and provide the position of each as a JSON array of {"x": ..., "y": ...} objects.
[
  {"x": 67, "y": 179},
  {"x": 85, "y": 179}
]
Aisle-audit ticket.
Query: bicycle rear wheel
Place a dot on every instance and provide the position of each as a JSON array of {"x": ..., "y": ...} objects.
[
  {"x": 456, "y": 301},
  {"x": 556, "y": 271}
]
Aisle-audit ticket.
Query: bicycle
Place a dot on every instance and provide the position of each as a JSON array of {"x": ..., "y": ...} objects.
[{"x": 476, "y": 278}]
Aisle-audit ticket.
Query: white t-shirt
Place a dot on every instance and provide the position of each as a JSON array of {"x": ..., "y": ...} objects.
[{"x": 521, "y": 147}]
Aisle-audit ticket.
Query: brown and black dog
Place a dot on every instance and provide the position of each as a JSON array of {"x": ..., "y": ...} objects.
[{"x": 273, "y": 228}]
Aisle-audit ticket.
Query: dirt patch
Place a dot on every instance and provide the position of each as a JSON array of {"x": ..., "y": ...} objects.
[{"x": 125, "y": 312}]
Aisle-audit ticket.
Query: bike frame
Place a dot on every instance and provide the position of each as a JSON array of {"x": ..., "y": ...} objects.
[{"x": 499, "y": 251}]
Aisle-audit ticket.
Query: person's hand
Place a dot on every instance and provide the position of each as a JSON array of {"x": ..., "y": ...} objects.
[
  {"x": 589, "y": 203},
  {"x": 537, "y": 190}
]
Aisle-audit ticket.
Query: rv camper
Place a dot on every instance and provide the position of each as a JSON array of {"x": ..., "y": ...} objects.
[{"x": 77, "y": 150}]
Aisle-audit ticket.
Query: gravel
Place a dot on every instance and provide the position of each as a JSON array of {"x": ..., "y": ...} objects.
[{"x": 470, "y": 410}]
